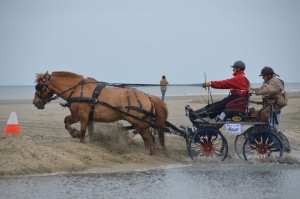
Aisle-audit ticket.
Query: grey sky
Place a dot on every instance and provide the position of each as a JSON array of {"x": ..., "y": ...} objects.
[{"x": 138, "y": 41}]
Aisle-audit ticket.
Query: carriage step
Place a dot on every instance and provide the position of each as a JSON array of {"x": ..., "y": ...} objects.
[{"x": 188, "y": 130}]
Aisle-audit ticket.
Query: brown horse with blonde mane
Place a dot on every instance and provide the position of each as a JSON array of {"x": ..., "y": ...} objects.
[{"x": 90, "y": 100}]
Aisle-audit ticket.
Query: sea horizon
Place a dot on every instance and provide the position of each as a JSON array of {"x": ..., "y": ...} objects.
[{"x": 11, "y": 92}]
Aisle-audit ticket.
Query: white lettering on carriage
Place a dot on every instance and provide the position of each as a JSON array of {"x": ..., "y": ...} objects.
[{"x": 234, "y": 129}]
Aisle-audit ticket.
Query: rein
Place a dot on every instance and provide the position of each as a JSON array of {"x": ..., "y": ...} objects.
[
  {"x": 73, "y": 88},
  {"x": 94, "y": 100}
]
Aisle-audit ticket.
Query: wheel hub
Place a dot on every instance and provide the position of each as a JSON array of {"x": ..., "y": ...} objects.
[
  {"x": 263, "y": 149},
  {"x": 208, "y": 148}
]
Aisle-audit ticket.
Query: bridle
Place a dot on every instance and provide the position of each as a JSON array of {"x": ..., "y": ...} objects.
[
  {"x": 42, "y": 89},
  {"x": 45, "y": 88}
]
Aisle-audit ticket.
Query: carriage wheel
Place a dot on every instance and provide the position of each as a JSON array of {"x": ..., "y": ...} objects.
[
  {"x": 238, "y": 145},
  {"x": 208, "y": 143},
  {"x": 285, "y": 142},
  {"x": 262, "y": 145}
]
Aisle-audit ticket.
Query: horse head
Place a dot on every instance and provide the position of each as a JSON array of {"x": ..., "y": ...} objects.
[{"x": 43, "y": 94}]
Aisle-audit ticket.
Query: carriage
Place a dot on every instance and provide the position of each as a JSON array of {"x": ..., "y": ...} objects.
[
  {"x": 90, "y": 100},
  {"x": 254, "y": 140}
]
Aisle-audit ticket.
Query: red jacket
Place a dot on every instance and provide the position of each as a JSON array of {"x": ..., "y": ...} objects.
[{"x": 238, "y": 84}]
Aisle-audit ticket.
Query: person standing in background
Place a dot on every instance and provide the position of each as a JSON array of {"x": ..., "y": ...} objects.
[{"x": 163, "y": 87}]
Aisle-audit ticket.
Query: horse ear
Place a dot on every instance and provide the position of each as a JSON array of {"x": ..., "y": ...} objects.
[
  {"x": 46, "y": 73},
  {"x": 38, "y": 77}
]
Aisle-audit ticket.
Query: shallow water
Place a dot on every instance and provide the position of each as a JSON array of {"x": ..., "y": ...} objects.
[{"x": 195, "y": 181}]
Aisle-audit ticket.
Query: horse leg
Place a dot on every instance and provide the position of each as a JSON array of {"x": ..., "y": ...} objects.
[
  {"x": 148, "y": 140},
  {"x": 69, "y": 120},
  {"x": 91, "y": 128},
  {"x": 161, "y": 137},
  {"x": 83, "y": 130},
  {"x": 145, "y": 139}
]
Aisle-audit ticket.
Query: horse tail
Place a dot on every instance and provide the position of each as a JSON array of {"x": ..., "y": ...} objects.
[
  {"x": 161, "y": 115},
  {"x": 161, "y": 111}
]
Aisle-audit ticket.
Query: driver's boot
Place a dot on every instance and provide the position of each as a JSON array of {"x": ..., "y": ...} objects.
[{"x": 201, "y": 112}]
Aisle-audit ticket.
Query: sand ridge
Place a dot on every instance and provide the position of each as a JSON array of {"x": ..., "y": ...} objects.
[{"x": 45, "y": 146}]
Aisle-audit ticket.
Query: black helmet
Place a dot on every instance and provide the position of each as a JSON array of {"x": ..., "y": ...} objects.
[
  {"x": 267, "y": 71},
  {"x": 239, "y": 64}
]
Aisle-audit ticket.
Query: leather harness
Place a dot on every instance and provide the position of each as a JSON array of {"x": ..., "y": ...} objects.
[{"x": 94, "y": 100}]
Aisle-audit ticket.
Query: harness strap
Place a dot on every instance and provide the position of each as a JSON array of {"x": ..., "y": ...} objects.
[
  {"x": 94, "y": 100},
  {"x": 138, "y": 109},
  {"x": 135, "y": 117},
  {"x": 128, "y": 99},
  {"x": 95, "y": 96},
  {"x": 89, "y": 100},
  {"x": 82, "y": 84},
  {"x": 73, "y": 88},
  {"x": 139, "y": 101}
]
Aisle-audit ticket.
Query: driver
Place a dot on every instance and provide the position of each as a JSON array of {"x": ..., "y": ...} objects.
[{"x": 238, "y": 86}]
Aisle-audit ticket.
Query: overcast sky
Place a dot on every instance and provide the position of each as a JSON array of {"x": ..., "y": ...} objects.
[{"x": 138, "y": 41}]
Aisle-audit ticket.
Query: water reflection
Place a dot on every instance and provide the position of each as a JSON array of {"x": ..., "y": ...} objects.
[{"x": 207, "y": 180}]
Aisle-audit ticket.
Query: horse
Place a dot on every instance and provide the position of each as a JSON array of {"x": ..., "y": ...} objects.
[{"x": 90, "y": 100}]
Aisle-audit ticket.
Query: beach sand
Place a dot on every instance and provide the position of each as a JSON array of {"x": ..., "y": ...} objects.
[{"x": 45, "y": 147}]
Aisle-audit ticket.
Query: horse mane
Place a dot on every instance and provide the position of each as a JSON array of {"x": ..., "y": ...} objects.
[
  {"x": 66, "y": 74},
  {"x": 58, "y": 74}
]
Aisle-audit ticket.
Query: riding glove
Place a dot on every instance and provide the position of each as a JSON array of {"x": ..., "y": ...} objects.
[{"x": 206, "y": 84}]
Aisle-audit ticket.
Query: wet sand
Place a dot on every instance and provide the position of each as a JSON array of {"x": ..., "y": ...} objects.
[{"x": 45, "y": 146}]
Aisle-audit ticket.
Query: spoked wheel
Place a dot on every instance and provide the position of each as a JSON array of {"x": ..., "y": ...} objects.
[
  {"x": 262, "y": 145},
  {"x": 208, "y": 143},
  {"x": 285, "y": 142}
]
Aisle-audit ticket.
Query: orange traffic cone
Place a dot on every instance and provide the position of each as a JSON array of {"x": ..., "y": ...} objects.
[{"x": 12, "y": 125}]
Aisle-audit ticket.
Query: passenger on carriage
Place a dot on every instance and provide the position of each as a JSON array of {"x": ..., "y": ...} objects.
[
  {"x": 238, "y": 86},
  {"x": 274, "y": 96}
]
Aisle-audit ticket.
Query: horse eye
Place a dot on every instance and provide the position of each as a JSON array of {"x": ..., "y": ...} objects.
[{"x": 38, "y": 87}]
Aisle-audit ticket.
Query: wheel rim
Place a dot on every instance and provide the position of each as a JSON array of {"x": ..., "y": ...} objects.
[
  {"x": 208, "y": 143},
  {"x": 262, "y": 145}
]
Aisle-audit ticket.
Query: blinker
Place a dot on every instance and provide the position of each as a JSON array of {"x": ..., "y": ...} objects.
[{"x": 38, "y": 87}]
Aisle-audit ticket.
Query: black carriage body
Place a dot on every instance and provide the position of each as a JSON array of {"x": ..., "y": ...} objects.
[{"x": 256, "y": 140}]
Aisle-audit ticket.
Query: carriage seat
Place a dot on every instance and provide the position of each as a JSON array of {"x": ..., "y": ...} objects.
[
  {"x": 239, "y": 105},
  {"x": 235, "y": 110}
]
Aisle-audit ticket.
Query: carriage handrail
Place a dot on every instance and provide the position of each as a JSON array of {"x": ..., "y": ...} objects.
[{"x": 256, "y": 102}]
